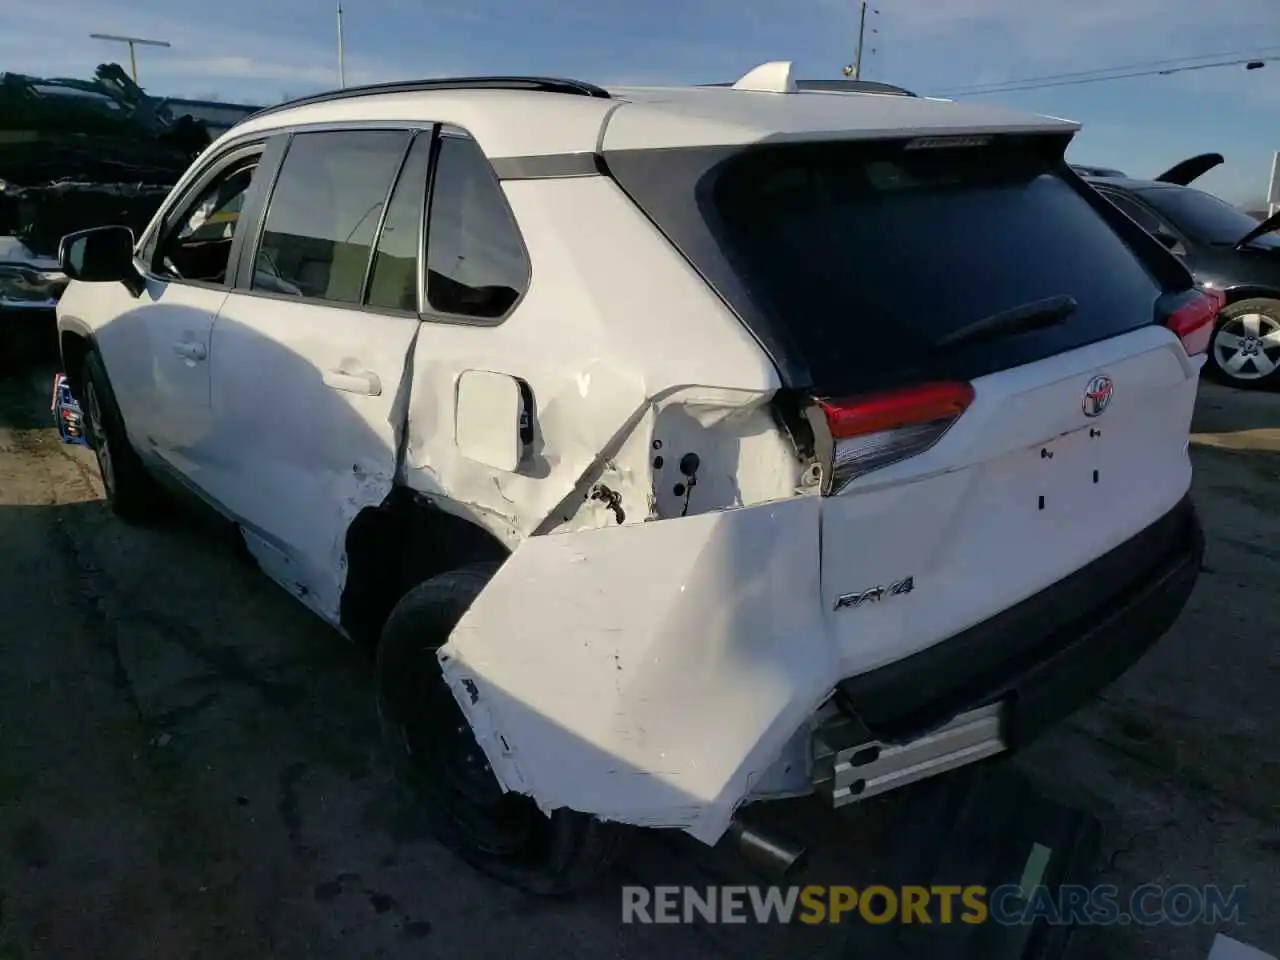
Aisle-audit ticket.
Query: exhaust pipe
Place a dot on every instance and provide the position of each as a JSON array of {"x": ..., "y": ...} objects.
[{"x": 771, "y": 854}]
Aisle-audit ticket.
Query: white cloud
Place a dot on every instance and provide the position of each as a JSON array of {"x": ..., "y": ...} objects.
[
  {"x": 229, "y": 56},
  {"x": 938, "y": 43},
  {"x": 259, "y": 51}
]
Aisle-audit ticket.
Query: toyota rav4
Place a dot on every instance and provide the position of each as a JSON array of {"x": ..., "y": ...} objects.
[{"x": 674, "y": 448}]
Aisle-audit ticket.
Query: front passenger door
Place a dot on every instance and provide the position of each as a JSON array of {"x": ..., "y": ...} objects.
[{"x": 191, "y": 266}]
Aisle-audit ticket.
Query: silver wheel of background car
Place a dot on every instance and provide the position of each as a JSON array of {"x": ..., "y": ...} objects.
[
  {"x": 1247, "y": 347},
  {"x": 98, "y": 435}
]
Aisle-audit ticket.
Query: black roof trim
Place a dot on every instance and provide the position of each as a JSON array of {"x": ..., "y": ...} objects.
[
  {"x": 1088, "y": 170},
  {"x": 843, "y": 86},
  {"x": 536, "y": 84},
  {"x": 854, "y": 86}
]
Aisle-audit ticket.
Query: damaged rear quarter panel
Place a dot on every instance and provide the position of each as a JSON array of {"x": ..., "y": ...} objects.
[
  {"x": 651, "y": 643},
  {"x": 613, "y": 324},
  {"x": 648, "y": 673}
]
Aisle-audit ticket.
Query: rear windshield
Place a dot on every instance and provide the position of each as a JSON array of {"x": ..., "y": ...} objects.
[
  {"x": 1199, "y": 214},
  {"x": 862, "y": 257}
]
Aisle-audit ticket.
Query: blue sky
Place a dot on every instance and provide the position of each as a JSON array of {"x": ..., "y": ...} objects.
[{"x": 262, "y": 50}]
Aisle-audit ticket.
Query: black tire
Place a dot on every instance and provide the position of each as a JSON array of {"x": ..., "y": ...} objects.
[
  {"x": 1240, "y": 353},
  {"x": 503, "y": 834},
  {"x": 131, "y": 493}
]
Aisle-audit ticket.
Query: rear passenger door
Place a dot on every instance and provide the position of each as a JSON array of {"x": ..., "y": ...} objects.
[{"x": 310, "y": 350}]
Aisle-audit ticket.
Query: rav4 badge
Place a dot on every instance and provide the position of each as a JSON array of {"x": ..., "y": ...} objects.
[
  {"x": 876, "y": 594},
  {"x": 1097, "y": 396}
]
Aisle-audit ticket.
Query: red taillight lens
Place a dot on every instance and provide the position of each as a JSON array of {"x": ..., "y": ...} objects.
[
  {"x": 874, "y": 431},
  {"x": 1193, "y": 321}
]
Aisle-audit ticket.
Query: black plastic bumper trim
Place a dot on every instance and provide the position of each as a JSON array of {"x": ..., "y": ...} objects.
[{"x": 1049, "y": 654}]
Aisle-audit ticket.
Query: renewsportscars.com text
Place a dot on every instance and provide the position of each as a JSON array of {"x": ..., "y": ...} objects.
[{"x": 1102, "y": 905}]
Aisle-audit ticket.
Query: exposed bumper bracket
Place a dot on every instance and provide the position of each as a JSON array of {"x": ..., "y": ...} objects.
[{"x": 849, "y": 765}]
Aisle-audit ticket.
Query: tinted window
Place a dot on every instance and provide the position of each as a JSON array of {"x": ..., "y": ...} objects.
[
  {"x": 324, "y": 212},
  {"x": 1200, "y": 214},
  {"x": 476, "y": 264},
  {"x": 1136, "y": 211},
  {"x": 869, "y": 254},
  {"x": 393, "y": 283},
  {"x": 199, "y": 246}
]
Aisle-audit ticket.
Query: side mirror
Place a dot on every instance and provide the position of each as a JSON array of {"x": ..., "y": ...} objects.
[
  {"x": 100, "y": 255},
  {"x": 1168, "y": 239}
]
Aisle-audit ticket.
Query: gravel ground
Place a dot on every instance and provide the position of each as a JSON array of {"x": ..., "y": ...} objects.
[{"x": 189, "y": 763}]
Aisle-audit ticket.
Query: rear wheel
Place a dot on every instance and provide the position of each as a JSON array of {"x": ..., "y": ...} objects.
[
  {"x": 130, "y": 492},
  {"x": 1245, "y": 351},
  {"x": 438, "y": 758}
]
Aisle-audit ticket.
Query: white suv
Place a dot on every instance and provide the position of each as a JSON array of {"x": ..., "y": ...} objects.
[{"x": 675, "y": 448}]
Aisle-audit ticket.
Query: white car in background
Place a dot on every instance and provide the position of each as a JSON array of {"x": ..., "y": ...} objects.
[{"x": 675, "y": 448}]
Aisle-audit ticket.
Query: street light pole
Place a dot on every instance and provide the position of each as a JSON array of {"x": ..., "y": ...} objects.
[
  {"x": 133, "y": 43},
  {"x": 342, "y": 54}
]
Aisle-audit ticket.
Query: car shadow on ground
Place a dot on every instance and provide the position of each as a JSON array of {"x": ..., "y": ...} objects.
[
  {"x": 1178, "y": 757},
  {"x": 192, "y": 767},
  {"x": 191, "y": 764}
]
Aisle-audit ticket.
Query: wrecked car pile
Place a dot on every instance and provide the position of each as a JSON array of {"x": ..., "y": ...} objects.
[{"x": 77, "y": 154}]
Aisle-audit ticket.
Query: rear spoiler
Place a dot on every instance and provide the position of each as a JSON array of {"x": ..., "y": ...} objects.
[
  {"x": 1266, "y": 226},
  {"x": 1191, "y": 169}
]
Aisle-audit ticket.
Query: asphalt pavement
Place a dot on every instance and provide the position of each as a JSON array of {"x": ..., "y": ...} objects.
[{"x": 190, "y": 767}]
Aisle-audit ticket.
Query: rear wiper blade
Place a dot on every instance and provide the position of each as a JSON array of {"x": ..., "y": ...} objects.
[{"x": 1029, "y": 316}]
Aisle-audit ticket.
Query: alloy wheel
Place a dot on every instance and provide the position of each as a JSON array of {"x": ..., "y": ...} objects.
[{"x": 1247, "y": 347}]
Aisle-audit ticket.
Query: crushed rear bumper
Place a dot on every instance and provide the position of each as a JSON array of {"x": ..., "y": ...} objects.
[
  {"x": 999, "y": 684},
  {"x": 662, "y": 674}
]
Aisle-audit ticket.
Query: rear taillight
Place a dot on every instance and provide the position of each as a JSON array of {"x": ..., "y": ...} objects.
[
  {"x": 1193, "y": 321},
  {"x": 874, "y": 431}
]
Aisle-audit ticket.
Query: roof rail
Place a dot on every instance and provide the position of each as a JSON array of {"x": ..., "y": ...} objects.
[
  {"x": 854, "y": 86},
  {"x": 839, "y": 86},
  {"x": 536, "y": 84}
]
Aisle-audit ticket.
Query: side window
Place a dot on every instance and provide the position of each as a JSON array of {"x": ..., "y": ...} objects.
[
  {"x": 476, "y": 261},
  {"x": 1136, "y": 211},
  {"x": 393, "y": 281},
  {"x": 198, "y": 247},
  {"x": 324, "y": 212}
]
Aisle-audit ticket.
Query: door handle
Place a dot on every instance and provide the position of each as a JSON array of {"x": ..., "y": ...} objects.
[
  {"x": 365, "y": 382},
  {"x": 190, "y": 351}
]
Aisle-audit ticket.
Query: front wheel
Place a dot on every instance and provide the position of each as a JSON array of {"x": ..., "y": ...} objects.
[
  {"x": 437, "y": 757},
  {"x": 1245, "y": 350},
  {"x": 131, "y": 494}
]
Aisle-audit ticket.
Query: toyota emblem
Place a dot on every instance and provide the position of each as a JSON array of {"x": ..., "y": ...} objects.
[{"x": 1097, "y": 396}]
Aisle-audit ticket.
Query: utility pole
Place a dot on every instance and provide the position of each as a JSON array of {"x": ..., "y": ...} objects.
[
  {"x": 133, "y": 42},
  {"x": 862, "y": 32},
  {"x": 342, "y": 54},
  {"x": 854, "y": 70}
]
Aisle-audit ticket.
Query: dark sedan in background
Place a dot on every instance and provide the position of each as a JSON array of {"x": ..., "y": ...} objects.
[{"x": 1224, "y": 248}]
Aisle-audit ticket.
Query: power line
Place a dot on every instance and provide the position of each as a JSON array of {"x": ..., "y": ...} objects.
[
  {"x": 1122, "y": 76},
  {"x": 1127, "y": 66},
  {"x": 1144, "y": 69},
  {"x": 1099, "y": 71}
]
